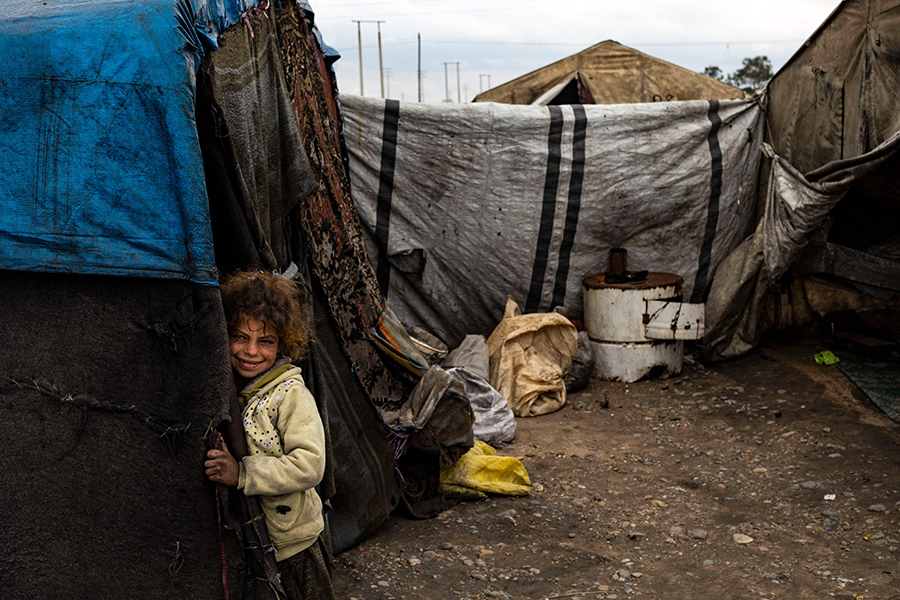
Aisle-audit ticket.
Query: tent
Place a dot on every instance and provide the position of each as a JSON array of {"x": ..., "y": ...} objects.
[
  {"x": 609, "y": 73},
  {"x": 149, "y": 146},
  {"x": 828, "y": 237}
]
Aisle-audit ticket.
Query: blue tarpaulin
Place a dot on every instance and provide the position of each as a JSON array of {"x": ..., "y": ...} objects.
[{"x": 100, "y": 165}]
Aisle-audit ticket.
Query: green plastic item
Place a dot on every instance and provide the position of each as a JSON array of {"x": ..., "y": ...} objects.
[{"x": 826, "y": 357}]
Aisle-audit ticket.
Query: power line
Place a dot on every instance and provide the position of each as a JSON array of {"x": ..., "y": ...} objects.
[
  {"x": 394, "y": 2},
  {"x": 401, "y": 42},
  {"x": 520, "y": 7},
  {"x": 380, "y": 63}
]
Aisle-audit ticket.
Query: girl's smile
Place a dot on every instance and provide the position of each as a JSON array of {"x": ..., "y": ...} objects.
[{"x": 253, "y": 348}]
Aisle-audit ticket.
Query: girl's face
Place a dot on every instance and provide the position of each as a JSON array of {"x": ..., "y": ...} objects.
[{"x": 254, "y": 348}]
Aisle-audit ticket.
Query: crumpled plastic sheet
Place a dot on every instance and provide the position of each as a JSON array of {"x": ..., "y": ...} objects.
[{"x": 495, "y": 423}]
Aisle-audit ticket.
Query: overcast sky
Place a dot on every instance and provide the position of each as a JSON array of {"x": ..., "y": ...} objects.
[{"x": 495, "y": 41}]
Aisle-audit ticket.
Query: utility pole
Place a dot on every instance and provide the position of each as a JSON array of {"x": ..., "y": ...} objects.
[
  {"x": 458, "y": 96},
  {"x": 380, "y": 69},
  {"x": 380, "y": 63},
  {"x": 419, "y": 71},
  {"x": 388, "y": 73},
  {"x": 480, "y": 89},
  {"x": 359, "y": 37},
  {"x": 446, "y": 84}
]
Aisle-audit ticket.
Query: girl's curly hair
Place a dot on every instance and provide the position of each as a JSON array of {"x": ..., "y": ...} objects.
[{"x": 272, "y": 300}]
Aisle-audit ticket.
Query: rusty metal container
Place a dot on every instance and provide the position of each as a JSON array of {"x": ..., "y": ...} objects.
[{"x": 635, "y": 326}]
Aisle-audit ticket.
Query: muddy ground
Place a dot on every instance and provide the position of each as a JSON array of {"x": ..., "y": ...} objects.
[{"x": 714, "y": 484}]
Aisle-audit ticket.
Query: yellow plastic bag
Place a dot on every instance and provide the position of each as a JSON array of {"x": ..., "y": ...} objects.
[{"x": 482, "y": 469}]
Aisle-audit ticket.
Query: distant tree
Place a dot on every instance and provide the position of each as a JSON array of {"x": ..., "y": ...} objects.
[
  {"x": 755, "y": 73},
  {"x": 714, "y": 72}
]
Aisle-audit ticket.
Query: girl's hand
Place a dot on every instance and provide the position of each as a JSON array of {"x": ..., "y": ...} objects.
[{"x": 221, "y": 467}]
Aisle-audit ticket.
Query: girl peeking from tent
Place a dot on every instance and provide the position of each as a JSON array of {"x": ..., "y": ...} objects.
[{"x": 283, "y": 430}]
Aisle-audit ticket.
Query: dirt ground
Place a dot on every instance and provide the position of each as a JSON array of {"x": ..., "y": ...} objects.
[{"x": 765, "y": 477}]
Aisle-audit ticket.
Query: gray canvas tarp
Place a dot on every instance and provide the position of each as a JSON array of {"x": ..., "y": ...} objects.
[
  {"x": 796, "y": 205},
  {"x": 465, "y": 205}
]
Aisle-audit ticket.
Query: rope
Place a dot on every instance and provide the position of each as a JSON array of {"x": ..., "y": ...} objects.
[{"x": 221, "y": 538}]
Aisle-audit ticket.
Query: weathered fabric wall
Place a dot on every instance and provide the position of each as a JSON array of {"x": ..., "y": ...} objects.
[
  {"x": 836, "y": 98},
  {"x": 366, "y": 485},
  {"x": 269, "y": 168},
  {"x": 832, "y": 120},
  {"x": 464, "y": 205},
  {"x": 329, "y": 219},
  {"x": 743, "y": 303},
  {"x": 108, "y": 386}
]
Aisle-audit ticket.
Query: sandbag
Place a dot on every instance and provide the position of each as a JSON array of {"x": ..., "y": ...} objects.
[
  {"x": 531, "y": 355},
  {"x": 582, "y": 364},
  {"x": 495, "y": 423},
  {"x": 482, "y": 469}
]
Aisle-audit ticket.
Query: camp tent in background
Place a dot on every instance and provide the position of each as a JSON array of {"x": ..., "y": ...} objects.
[{"x": 609, "y": 73}]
